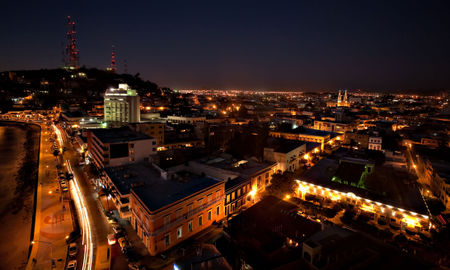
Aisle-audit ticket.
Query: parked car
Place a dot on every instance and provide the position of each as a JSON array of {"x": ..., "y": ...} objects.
[
  {"x": 111, "y": 239},
  {"x": 72, "y": 265},
  {"x": 73, "y": 249}
]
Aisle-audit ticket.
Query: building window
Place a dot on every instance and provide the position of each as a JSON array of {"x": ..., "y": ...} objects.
[
  {"x": 239, "y": 192},
  {"x": 232, "y": 196},
  {"x": 179, "y": 232},
  {"x": 218, "y": 210},
  {"x": 200, "y": 220},
  {"x": 167, "y": 239},
  {"x": 228, "y": 198},
  {"x": 190, "y": 226},
  {"x": 209, "y": 214}
]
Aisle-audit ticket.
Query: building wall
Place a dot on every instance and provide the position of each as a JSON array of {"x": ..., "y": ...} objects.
[
  {"x": 152, "y": 129},
  {"x": 361, "y": 140},
  {"x": 237, "y": 198},
  {"x": 332, "y": 126},
  {"x": 154, "y": 228},
  {"x": 138, "y": 151},
  {"x": 122, "y": 109},
  {"x": 301, "y": 137},
  {"x": 185, "y": 120},
  {"x": 286, "y": 161},
  {"x": 375, "y": 143}
]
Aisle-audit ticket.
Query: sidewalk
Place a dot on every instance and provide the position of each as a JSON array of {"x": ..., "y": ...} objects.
[{"x": 53, "y": 221}]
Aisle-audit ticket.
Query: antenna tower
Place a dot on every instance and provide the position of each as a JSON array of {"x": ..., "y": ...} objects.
[
  {"x": 113, "y": 59},
  {"x": 72, "y": 52}
]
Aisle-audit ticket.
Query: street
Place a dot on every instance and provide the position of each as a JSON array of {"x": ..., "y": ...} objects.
[{"x": 93, "y": 221}]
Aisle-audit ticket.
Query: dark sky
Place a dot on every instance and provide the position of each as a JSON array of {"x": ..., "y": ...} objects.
[{"x": 307, "y": 45}]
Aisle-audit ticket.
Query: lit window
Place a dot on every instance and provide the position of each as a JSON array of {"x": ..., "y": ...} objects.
[
  {"x": 179, "y": 232},
  {"x": 209, "y": 214},
  {"x": 200, "y": 220}
]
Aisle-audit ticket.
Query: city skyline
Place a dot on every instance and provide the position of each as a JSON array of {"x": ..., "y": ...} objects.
[{"x": 298, "y": 46}]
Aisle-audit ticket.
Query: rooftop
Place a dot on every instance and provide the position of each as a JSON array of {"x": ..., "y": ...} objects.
[
  {"x": 246, "y": 167},
  {"x": 115, "y": 135},
  {"x": 307, "y": 131},
  {"x": 383, "y": 185},
  {"x": 153, "y": 190},
  {"x": 282, "y": 145}
]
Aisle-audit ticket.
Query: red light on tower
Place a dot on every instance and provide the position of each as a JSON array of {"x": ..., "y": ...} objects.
[
  {"x": 72, "y": 53},
  {"x": 113, "y": 59}
]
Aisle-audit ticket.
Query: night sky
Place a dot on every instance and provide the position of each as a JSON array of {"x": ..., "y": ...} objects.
[{"x": 304, "y": 45}]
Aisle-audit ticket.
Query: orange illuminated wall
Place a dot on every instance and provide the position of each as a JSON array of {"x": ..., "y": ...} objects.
[{"x": 166, "y": 227}]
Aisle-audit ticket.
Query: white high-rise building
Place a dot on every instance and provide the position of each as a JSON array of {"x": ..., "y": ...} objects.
[{"x": 122, "y": 106}]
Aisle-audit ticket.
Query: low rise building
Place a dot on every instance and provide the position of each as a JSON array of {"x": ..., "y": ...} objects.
[
  {"x": 303, "y": 134},
  {"x": 185, "y": 119},
  {"x": 119, "y": 146},
  {"x": 153, "y": 129},
  {"x": 357, "y": 139},
  {"x": 244, "y": 180},
  {"x": 169, "y": 209},
  {"x": 375, "y": 143},
  {"x": 286, "y": 153},
  {"x": 333, "y": 126}
]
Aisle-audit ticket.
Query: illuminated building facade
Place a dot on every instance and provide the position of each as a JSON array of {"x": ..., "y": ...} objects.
[
  {"x": 121, "y": 106},
  {"x": 342, "y": 101},
  {"x": 303, "y": 134},
  {"x": 163, "y": 220},
  {"x": 396, "y": 217}
]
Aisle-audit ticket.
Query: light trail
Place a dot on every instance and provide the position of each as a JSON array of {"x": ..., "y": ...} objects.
[
  {"x": 58, "y": 135},
  {"x": 88, "y": 256}
]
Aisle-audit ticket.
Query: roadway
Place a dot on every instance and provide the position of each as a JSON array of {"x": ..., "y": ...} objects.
[{"x": 93, "y": 223}]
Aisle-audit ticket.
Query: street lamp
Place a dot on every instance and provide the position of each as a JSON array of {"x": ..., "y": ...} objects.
[{"x": 51, "y": 248}]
